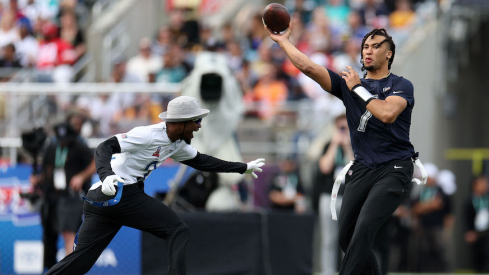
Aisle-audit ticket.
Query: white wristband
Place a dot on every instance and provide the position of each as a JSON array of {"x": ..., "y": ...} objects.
[{"x": 363, "y": 93}]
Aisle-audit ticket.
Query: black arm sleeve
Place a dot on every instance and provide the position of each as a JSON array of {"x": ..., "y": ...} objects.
[
  {"x": 208, "y": 163},
  {"x": 103, "y": 155}
]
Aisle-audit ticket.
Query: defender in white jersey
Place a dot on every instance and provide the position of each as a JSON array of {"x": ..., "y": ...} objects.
[{"x": 118, "y": 199}]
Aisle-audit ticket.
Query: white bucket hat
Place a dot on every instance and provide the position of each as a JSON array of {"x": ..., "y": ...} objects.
[{"x": 183, "y": 108}]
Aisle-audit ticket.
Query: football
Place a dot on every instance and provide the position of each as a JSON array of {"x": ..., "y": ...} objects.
[{"x": 276, "y": 17}]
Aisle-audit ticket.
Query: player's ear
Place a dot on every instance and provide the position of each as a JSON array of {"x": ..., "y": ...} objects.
[{"x": 389, "y": 54}]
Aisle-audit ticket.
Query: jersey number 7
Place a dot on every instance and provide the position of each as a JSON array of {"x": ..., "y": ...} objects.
[{"x": 364, "y": 120}]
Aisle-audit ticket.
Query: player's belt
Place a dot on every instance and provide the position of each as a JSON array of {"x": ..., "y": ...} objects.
[{"x": 110, "y": 202}]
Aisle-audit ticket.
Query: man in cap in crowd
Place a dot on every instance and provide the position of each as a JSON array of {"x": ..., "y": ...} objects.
[{"x": 123, "y": 162}]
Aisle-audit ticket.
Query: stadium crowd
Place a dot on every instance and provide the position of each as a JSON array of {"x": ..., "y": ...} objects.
[{"x": 48, "y": 36}]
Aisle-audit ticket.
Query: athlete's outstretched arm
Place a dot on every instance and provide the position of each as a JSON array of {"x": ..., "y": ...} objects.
[
  {"x": 208, "y": 163},
  {"x": 386, "y": 110},
  {"x": 301, "y": 61}
]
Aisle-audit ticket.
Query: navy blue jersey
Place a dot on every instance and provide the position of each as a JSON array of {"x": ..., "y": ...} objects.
[{"x": 374, "y": 142}]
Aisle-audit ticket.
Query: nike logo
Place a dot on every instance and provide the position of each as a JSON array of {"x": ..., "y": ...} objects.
[
  {"x": 398, "y": 92},
  {"x": 397, "y": 167}
]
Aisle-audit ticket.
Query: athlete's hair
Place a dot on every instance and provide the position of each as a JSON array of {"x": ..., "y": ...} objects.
[{"x": 388, "y": 39}]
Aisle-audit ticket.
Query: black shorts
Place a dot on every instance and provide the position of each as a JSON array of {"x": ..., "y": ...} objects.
[{"x": 69, "y": 213}]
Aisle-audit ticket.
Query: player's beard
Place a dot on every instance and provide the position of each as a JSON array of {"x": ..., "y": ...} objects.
[
  {"x": 187, "y": 140},
  {"x": 370, "y": 68}
]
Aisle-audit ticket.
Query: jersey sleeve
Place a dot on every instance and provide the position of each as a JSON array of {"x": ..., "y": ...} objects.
[
  {"x": 403, "y": 88},
  {"x": 185, "y": 153},
  {"x": 135, "y": 140},
  {"x": 335, "y": 84}
]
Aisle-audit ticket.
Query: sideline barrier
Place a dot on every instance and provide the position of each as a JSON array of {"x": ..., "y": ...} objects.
[{"x": 239, "y": 243}]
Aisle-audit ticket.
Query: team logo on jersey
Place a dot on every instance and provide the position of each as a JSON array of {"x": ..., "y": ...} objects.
[
  {"x": 385, "y": 89},
  {"x": 123, "y": 136},
  {"x": 350, "y": 172},
  {"x": 157, "y": 153}
]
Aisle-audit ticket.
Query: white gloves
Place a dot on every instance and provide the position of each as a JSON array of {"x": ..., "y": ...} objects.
[
  {"x": 253, "y": 166},
  {"x": 109, "y": 184}
]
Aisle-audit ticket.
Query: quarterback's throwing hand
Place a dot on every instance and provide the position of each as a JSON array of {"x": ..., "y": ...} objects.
[
  {"x": 253, "y": 166},
  {"x": 108, "y": 186},
  {"x": 351, "y": 77}
]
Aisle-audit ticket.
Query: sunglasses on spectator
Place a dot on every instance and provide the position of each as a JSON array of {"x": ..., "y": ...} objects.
[{"x": 197, "y": 121}]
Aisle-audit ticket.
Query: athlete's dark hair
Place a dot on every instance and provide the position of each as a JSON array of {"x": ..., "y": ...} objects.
[{"x": 388, "y": 39}]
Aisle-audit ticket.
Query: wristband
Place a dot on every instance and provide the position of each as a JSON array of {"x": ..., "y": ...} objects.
[{"x": 362, "y": 93}]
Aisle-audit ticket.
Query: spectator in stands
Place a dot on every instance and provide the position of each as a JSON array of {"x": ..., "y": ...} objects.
[
  {"x": 477, "y": 223},
  {"x": 70, "y": 32},
  {"x": 234, "y": 56},
  {"x": 374, "y": 14},
  {"x": 286, "y": 191},
  {"x": 227, "y": 36},
  {"x": 106, "y": 111},
  {"x": 336, "y": 154},
  {"x": 269, "y": 93},
  {"x": 356, "y": 29},
  {"x": 256, "y": 34},
  {"x": 145, "y": 65},
  {"x": 27, "y": 46},
  {"x": 77, "y": 7},
  {"x": 430, "y": 207},
  {"x": 403, "y": 16},
  {"x": 55, "y": 56},
  {"x": 320, "y": 38},
  {"x": 325, "y": 107},
  {"x": 120, "y": 75},
  {"x": 67, "y": 168},
  {"x": 304, "y": 8},
  {"x": 8, "y": 30},
  {"x": 259, "y": 65},
  {"x": 8, "y": 63},
  {"x": 208, "y": 42},
  {"x": 19, "y": 16},
  {"x": 185, "y": 31},
  {"x": 79, "y": 122},
  {"x": 31, "y": 10},
  {"x": 337, "y": 12},
  {"x": 173, "y": 70},
  {"x": 9, "y": 59},
  {"x": 349, "y": 57},
  {"x": 162, "y": 41},
  {"x": 247, "y": 79}
]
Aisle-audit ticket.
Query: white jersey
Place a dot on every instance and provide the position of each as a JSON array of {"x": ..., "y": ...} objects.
[{"x": 145, "y": 148}]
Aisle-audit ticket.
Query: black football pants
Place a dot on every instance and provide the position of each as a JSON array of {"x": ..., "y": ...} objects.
[
  {"x": 370, "y": 198},
  {"x": 137, "y": 210}
]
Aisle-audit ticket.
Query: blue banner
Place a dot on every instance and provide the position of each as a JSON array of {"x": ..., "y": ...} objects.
[{"x": 21, "y": 248}]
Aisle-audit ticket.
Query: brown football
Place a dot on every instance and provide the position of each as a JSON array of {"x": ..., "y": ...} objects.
[{"x": 276, "y": 17}]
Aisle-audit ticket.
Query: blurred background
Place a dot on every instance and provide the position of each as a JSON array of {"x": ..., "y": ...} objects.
[{"x": 102, "y": 67}]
